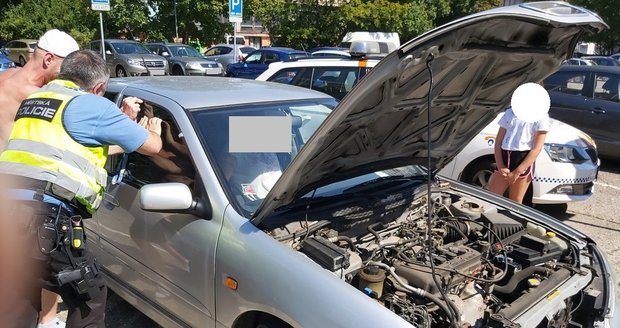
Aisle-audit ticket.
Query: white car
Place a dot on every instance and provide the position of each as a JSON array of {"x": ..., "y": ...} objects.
[{"x": 565, "y": 170}]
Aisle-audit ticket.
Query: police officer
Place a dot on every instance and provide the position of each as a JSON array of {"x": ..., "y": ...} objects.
[{"x": 53, "y": 166}]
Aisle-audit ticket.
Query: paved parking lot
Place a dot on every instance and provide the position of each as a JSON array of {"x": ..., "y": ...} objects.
[{"x": 598, "y": 217}]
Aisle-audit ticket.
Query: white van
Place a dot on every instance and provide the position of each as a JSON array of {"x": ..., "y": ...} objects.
[{"x": 388, "y": 41}]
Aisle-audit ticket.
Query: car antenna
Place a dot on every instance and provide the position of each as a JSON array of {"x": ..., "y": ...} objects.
[{"x": 454, "y": 312}]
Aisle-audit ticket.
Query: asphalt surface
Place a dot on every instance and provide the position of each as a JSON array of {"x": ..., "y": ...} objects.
[{"x": 598, "y": 217}]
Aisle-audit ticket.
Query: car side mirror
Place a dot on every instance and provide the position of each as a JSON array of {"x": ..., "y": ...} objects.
[
  {"x": 165, "y": 54},
  {"x": 108, "y": 52},
  {"x": 171, "y": 197}
]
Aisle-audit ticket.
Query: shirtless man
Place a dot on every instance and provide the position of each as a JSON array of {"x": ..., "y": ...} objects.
[{"x": 17, "y": 84}]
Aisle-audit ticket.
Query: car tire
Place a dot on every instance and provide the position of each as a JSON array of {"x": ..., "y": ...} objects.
[
  {"x": 120, "y": 71},
  {"x": 480, "y": 173},
  {"x": 22, "y": 61},
  {"x": 177, "y": 71}
]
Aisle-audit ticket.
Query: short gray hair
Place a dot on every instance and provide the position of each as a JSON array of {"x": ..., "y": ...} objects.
[{"x": 85, "y": 68}]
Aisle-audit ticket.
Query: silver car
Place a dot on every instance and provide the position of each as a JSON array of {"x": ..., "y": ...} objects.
[
  {"x": 130, "y": 58},
  {"x": 227, "y": 54},
  {"x": 277, "y": 209},
  {"x": 186, "y": 60}
]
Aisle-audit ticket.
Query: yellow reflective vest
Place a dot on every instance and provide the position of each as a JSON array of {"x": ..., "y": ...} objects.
[{"x": 40, "y": 147}]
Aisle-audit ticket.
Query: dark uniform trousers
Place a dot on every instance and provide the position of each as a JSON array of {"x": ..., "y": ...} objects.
[{"x": 30, "y": 258}]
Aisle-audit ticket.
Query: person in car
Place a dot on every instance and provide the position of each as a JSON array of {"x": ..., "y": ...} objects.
[
  {"x": 517, "y": 146},
  {"x": 53, "y": 169}
]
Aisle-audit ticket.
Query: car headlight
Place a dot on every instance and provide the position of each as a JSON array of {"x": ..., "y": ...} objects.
[
  {"x": 566, "y": 153},
  {"x": 193, "y": 65},
  {"x": 135, "y": 62}
]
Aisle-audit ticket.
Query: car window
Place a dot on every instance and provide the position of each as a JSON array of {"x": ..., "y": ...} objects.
[
  {"x": 335, "y": 81},
  {"x": 129, "y": 48},
  {"x": 270, "y": 57},
  {"x": 606, "y": 87},
  {"x": 172, "y": 164},
  {"x": 288, "y": 76},
  {"x": 254, "y": 58},
  {"x": 566, "y": 82}
]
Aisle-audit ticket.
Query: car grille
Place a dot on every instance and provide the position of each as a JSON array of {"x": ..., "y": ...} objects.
[
  {"x": 154, "y": 63},
  {"x": 207, "y": 65}
]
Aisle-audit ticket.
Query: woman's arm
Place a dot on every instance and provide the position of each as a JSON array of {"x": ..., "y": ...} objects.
[
  {"x": 499, "y": 139},
  {"x": 539, "y": 143}
]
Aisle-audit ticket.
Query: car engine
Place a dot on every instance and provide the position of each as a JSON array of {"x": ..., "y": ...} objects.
[{"x": 468, "y": 261}]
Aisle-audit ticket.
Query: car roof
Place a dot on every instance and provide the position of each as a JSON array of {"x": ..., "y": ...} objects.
[
  {"x": 117, "y": 41},
  {"x": 198, "y": 92},
  {"x": 594, "y": 68},
  {"x": 596, "y": 57},
  {"x": 324, "y": 61},
  {"x": 168, "y": 44}
]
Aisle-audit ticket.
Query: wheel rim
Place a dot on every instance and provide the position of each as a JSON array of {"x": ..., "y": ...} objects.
[
  {"x": 481, "y": 178},
  {"x": 120, "y": 72}
]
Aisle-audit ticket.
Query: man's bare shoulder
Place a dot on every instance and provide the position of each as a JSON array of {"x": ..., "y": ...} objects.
[
  {"x": 8, "y": 74},
  {"x": 14, "y": 85}
]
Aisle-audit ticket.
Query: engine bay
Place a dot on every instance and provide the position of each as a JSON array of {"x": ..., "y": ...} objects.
[{"x": 467, "y": 264}]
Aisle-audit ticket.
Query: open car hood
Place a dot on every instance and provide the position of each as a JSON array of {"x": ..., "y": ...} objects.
[{"x": 477, "y": 62}]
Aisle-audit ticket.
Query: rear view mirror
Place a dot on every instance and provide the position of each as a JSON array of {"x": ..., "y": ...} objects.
[
  {"x": 171, "y": 197},
  {"x": 165, "y": 54},
  {"x": 108, "y": 52}
]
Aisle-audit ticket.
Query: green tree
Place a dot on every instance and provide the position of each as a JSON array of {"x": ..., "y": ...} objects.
[
  {"x": 202, "y": 19},
  {"x": 608, "y": 11},
  {"x": 31, "y": 18},
  {"x": 461, "y": 8}
]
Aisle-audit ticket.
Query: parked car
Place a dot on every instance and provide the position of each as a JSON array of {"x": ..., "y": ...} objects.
[
  {"x": 130, "y": 58},
  {"x": 602, "y": 60},
  {"x": 564, "y": 173},
  {"x": 616, "y": 56},
  {"x": 226, "y": 54},
  {"x": 334, "y": 221},
  {"x": 185, "y": 60},
  {"x": 20, "y": 51},
  {"x": 5, "y": 62},
  {"x": 579, "y": 61},
  {"x": 587, "y": 98},
  {"x": 334, "y": 76},
  {"x": 257, "y": 61}
]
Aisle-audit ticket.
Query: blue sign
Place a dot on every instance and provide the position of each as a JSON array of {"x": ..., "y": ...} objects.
[{"x": 235, "y": 10}]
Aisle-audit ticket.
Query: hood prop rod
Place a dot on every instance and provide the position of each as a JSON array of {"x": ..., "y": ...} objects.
[{"x": 455, "y": 317}]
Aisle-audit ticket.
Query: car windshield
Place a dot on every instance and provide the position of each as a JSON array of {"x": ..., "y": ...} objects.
[
  {"x": 130, "y": 48},
  {"x": 184, "y": 51},
  {"x": 247, "y": 177}
]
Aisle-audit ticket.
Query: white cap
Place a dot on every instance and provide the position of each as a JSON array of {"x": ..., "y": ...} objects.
[{"x": 57, "y": 42}]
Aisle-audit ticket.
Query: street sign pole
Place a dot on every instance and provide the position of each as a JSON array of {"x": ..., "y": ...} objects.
[
  {"x": 235, "y": 15},
  {"x": 101, "y": 27},
  {"x": 101, "y": 6}
]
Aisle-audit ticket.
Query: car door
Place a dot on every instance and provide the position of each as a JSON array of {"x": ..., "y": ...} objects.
[
  {"x": 570, "y": 92},
  {"x": 165, "y": 259},
  {"x": 249, "y": 68},
  {"x": 604, "y": 112}
]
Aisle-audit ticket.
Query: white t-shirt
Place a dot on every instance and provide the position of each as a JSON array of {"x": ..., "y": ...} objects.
[{"x": 520, "y": 134}]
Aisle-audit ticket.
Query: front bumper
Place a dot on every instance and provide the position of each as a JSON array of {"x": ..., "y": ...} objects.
[
  {"x": 556, "y": 183},
  {"x": 205, "y": 72}
]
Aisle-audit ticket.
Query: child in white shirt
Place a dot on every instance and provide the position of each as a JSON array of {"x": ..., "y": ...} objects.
[{"x": 517, "y": 146}]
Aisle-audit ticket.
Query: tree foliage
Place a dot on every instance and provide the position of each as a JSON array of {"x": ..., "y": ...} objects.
[
  {"x": 295, "y": 23},
  {"x": 608, "y": 11}
]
